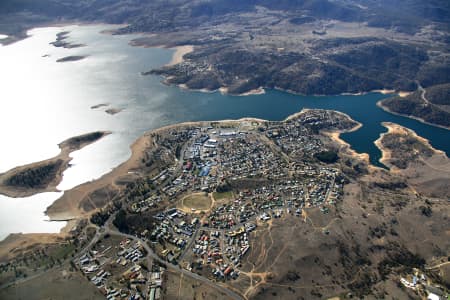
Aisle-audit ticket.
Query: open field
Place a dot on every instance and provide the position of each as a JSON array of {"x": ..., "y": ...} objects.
[
  {"x": 59, "y": 283},
  {"x": 179, "y": 286},
  {"x": 310, "y": 256},
  {"x": 223, "y": 196},
  {"x": 17, "y": 243},
  {"x": 196, "y": 202}
]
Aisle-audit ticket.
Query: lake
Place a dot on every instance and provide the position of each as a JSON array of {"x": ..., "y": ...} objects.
[{"x": 45, "y": 102}]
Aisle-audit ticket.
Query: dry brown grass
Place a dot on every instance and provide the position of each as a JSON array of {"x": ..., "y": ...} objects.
[{"x": 196, "y": 202}]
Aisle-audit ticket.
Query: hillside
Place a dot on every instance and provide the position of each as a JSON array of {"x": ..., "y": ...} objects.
[
  {"x": 431, "y": 105},
  {"x": 308, "y": 47}
]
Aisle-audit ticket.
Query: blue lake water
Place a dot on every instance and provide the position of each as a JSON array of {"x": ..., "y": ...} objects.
[{"x": 45, "y": 102}]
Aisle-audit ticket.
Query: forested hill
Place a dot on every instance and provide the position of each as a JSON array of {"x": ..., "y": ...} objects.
[{"x": 434, "y": 109}]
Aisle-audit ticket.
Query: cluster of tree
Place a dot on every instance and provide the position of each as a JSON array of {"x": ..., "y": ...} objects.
[
  {"x": 391, "y": 185},
  {"x": 133, "y": 224},
  {"x": 75, "y": 142},
  {"x": 439, "y": 94},
  {"x": 388, "y": 63},
  {"x": 36, "y": 177},
  {"x": 362, "y": 285},
  {"x": 139, "y": 188},
  {"x": 399, "y": 257},
  {"x": 292, "y": 275},
  {"x": 328, "y": 156},
  {"x": 223, "y": 188},
  {"x": 99, "y": 218},
  {"x": 270, "y": 70},
  {"x": 426, "y": 210}
]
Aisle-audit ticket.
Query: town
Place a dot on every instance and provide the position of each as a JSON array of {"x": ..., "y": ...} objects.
[
  {"x": 228, "y": 179},
  {"x": 205, "y": 192}
]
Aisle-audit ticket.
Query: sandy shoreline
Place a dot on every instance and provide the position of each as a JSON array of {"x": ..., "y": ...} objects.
[
  {"x": 177, "y": 56},
  {"x": 222, "y": 90},
  {"x": 180, "y": 51},
  {"x": 262, "y": 90},
  {"x": 386, "y": 109},
  {"x": 386, "y": 154},
  {"x": 67, "y": 207}
]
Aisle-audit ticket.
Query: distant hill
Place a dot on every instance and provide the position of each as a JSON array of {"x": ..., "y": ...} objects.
[
  {"x": 404, "y": 15},
  {"x": 308, "y": 47}
]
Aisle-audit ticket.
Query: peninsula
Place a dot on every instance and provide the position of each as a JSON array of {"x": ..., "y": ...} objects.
[
  {"x": 430, "y": 105},
  {"x": 44, "y": 176},
  {"x": 406, "y": 153}
]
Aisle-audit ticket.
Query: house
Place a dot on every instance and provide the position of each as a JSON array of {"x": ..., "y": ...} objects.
[
  {"x": 435, "y": 293},
  {"x": 432, "y": 296},
  {"x": 228, "y": 133}
]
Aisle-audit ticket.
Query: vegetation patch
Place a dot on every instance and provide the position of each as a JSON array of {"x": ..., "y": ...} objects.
[
  {"x": 223, "y": 195},
  {"x": 328, "y": 157},
  {"x": 37, "y": 177},
  {"x": 130, "y": 223}
]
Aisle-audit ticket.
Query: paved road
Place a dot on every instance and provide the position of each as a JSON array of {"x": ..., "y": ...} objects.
[
  {"x": 189, "y": 246},
  {"x": 438, "y": 265},
  {"x": 98, "y": 234},
  {"x": 422, "y": 93}
]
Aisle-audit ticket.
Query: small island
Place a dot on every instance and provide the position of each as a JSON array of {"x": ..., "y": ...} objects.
[
  {"x": 61, "y": 38},
  {"x": 99, "y": 105},
  {"x": 113, "y": 111},
  {"x": 71, "y": 58},
  {"x": 44, "y": 176},
  {"x": 110, "y": 110}
]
